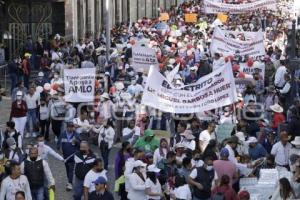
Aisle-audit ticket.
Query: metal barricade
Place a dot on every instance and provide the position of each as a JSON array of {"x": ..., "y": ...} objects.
[{"x": 3, "y": 76}]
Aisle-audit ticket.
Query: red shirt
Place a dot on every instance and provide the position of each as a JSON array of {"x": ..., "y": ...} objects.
[
  {"x": 18, "y": 110},
  {"x": 278, "y": 118},
  {"x": 227, "y": 191}
]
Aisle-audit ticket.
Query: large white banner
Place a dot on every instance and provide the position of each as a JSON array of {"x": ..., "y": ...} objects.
[
  {"x": 231, "y": 42},
  {"x": 212, "y": 91},
  {"x": 212, "y": 7},
  {"x": 143, "y": 57},
  {"x": 79, "y": 84}
]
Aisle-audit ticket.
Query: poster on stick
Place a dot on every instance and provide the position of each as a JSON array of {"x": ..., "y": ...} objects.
[
  {"x": 214, "y": 90},
  {"x": 143, "y": 57},
  {"x": 79, "y": 84}
]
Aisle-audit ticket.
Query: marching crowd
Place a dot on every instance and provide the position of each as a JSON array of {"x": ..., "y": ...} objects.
[{"x": 189, "y": 162}]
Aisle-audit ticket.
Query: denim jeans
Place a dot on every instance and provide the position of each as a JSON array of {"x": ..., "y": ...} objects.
[
  {"x": 14, "y": 81},
  {"x": 70, "y": 171},
  {"x": 38, "y": 193},
  {"x": 31, "y": 119},
  {"x": 105, "y": 156},
  {"x": 195, "y": 198},
  {"x": 78, "y": 188}
]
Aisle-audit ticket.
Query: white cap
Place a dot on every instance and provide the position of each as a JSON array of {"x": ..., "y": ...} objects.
[
  {"x": 19, "y": 93},
  {"x": 139, "y": 163},
  {"x": 153, "y": 168},
  {"x": 107, "y": 73},
  {"x": 252, "y": 140},
  {"x": 41, "y": 74}
]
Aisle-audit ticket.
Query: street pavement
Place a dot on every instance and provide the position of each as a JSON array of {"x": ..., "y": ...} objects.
[{"x": 57, "y": 167}]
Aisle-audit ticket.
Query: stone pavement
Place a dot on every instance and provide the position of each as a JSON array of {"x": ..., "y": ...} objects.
[{"x": 57, "y": 167}]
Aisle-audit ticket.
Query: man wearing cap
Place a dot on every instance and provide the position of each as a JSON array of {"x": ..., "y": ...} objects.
[
  {"x": 96, "y": 172},
  {"x": 225, "y": 166},
  {"x": 256, "y": 150},
  {"x": 40, "y": 81},
  {"x": 101, "y": 192},
  {"x": 281, "y": 151},
  {"x": 68, "y": 142},
  {"x": 278, "y": 116},
  {"x": 192, "y": 77},
  {"x": 148, "y": 142}
]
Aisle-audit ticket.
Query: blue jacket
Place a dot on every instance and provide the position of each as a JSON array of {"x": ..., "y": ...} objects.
[{"x": 69, "y": 143}]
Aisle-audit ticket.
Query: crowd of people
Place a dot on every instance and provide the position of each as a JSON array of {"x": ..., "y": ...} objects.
[{"x": 190, "y": 162}]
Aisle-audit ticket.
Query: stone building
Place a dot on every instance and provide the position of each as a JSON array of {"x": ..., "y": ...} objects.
[{"x": 70, "y": 18}]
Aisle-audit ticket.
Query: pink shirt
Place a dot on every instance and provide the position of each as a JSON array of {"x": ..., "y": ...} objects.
[{"x": 225, "y": 167}]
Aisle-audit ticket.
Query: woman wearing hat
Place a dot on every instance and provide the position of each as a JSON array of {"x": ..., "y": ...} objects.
[{"x": 278, "y": 116}]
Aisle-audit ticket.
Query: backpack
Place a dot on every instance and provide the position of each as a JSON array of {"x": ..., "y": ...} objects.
[{"x": 218, "y": 196}]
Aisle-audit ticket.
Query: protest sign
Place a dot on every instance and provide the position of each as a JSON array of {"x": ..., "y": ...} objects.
[
  {"x": 211, "y": 7},
  {"x": 212, "y": 91},
  {"x": 222, "y": 17},
  {"x": 231, "y": 42},
  {"x": 241, "y": 84},
  {"x": 190, "y": 18},
  {"x": 257, "y": 67},
  {"x": 224, "y": 131},
  {"x": 143, "y": 57},
  {"x": 79, "y": 84},
  {"x": 164, "y": 17}
]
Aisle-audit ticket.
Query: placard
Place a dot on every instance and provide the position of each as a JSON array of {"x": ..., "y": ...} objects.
[
  {"x": 143, "y": 57},
  {"x": 190, "y": 18},
  {"x": 79, "y": 84},
  {"x": 164, "y": 17}
]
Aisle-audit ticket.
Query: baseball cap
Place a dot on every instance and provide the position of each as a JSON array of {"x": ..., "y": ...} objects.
[
  {"x": 100, "y": 180},
  {"x": 224, "y": 153}
]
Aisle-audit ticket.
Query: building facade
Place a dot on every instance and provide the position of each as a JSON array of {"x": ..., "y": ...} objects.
[
  {"x": 73, "y": 19},
  {"x": 89, "y": 16}
]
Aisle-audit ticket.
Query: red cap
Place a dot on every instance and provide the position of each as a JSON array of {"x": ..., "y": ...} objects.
[{"x": 244, "y": 194}]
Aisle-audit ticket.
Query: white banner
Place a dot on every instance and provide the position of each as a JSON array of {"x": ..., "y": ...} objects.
[
  {"x": 212, "y": 91},
  {"x": 211, "y": 7},
  {"x": 257, "y": 67},
  {"x": 79, "y": 84},
  {"x": 229, "y": 42},
  {"x": 143, "y": 57}
]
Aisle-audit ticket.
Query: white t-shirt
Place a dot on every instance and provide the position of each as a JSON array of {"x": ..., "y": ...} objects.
[
  {"x": 126, "y": 131},
  {"x": 32, "y": 101},
  {"x": 183, "y": 192},
  {"x": 205, "y": 136},
  {"x": 10, "y": 187},
  {"x": 90, "y": 177},
  {"x": 155, "y": 188}
]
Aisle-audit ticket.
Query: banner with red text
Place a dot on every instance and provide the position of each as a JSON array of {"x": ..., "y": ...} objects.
[
  {"x": 212, "y": 91},
  {"x": 242, "y": 43}
]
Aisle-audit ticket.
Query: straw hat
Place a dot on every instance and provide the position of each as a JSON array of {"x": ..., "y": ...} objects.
[{"x": 276, "y": 108}]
